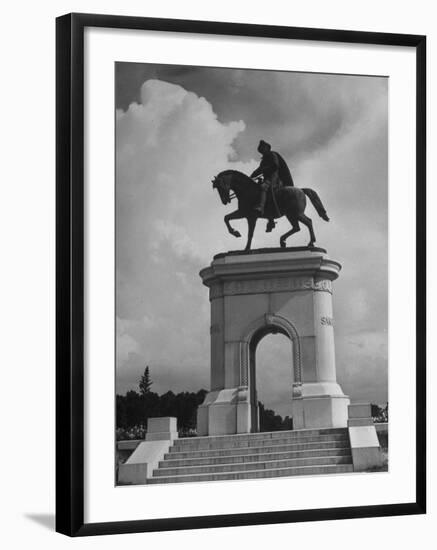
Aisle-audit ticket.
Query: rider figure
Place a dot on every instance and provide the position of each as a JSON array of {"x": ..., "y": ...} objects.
[{"x": 275, "y": 172}]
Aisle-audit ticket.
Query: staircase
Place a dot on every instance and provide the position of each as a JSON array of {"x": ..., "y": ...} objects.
[{"x": 257, "y": 455}]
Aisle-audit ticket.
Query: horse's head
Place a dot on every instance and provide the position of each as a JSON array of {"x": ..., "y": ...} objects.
[{"x": 223, "y": 185}]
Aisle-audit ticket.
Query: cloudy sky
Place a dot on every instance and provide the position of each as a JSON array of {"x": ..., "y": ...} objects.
[{"x": 176, "y": 128}]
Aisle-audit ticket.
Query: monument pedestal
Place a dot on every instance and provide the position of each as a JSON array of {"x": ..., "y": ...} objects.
[
  {"x": 267, "y": 291},
  {"x": 321, "y": 405}
]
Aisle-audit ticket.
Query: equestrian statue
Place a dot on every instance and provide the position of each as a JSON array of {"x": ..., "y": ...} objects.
[{"x": 268, "y": 193}]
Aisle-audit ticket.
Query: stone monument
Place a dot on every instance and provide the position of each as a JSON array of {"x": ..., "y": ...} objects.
[{"x": 252, "y": 294}]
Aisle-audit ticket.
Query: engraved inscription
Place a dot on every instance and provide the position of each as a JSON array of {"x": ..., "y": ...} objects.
[
  {"x": 275, "y": 285},
  {"x": 328, "y": 321}
]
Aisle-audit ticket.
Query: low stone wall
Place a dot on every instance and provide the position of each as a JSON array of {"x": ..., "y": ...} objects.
[
  {"x": 382, "y": 433},
  {"x": 124, "y": 449},
  {"x": 381, "y": 427},
  {"x": 128, "y": 444}
]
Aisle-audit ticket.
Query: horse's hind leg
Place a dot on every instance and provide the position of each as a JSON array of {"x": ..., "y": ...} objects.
[
  {"x": 294, "y": 229},
  {"x": 307, "y": 221}
]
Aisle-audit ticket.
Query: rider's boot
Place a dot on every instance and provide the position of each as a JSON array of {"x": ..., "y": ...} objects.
[{"x": 271, "y": 224}]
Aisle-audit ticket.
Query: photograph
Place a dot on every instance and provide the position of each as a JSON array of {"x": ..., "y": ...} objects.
[
  {"x": 251, "y": 274},
  {"x": 216, "y": 219}
]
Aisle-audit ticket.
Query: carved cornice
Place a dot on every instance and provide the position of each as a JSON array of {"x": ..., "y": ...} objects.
[
  {"x": 268, "y": 265},
  {"x": 267, "y": 272}
]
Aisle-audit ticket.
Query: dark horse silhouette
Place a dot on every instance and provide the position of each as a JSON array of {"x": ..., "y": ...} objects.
[{"x": 289, "y": 201}]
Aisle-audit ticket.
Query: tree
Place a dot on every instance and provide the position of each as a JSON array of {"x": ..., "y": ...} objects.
[
  {"x": 271, "y": 422},
  {"x": 145, "y": 382}
]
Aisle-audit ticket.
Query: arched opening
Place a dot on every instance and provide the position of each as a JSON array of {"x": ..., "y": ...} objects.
[{"x": 271, "y": 379}]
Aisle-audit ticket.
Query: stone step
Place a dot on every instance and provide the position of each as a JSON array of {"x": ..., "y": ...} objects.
[
  {"x": 293, "y": 434},
  {"x": 288, "y": 447},
  {"x": 252, "y": 442},
  {"x": 256, "y": 474},
  {"x": 252, "y": 466},
  {"x": 258, "y": 457}
]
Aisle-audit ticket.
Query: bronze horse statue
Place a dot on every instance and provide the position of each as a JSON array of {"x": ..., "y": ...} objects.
[{"x": 288, "y": 201}]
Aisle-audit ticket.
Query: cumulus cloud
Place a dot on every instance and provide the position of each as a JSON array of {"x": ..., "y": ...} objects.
[
  {"x": 301, "y": 113},
  {"x": 176, "y": 131},
  {"x": 169, "y": 147}
]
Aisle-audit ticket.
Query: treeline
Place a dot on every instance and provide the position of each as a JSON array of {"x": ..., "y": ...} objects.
[
  {"x": 269, "y": 421},
  {"x": 133, "y": 409}
]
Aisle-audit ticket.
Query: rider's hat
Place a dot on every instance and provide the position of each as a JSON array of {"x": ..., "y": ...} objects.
[{"x": 263, "y": 144}]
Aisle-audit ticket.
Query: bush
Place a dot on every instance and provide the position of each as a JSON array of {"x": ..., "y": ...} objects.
[
  {"x": 379, "y": 414},
  {"x": 135, "y": 432}
]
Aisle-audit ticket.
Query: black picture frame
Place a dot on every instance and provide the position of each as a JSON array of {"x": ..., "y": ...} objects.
[{"x": 70, "y": 272}]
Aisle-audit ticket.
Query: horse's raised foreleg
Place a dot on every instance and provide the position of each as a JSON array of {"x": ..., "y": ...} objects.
[
  {"x": 307, "y": 221},
  {"x": 251, "y": 222},
  {"x": 294, "y": 229},
  {"x": 236, "y": 215}
]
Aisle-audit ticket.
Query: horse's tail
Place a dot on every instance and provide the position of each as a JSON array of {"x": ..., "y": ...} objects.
[{"x": 317, "y": 203}]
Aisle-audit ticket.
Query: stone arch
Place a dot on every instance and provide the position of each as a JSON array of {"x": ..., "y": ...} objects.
[{"x": 255, "y": 331}]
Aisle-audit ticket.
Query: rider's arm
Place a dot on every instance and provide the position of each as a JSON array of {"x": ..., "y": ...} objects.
[{"x": 257, "y": 172}]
